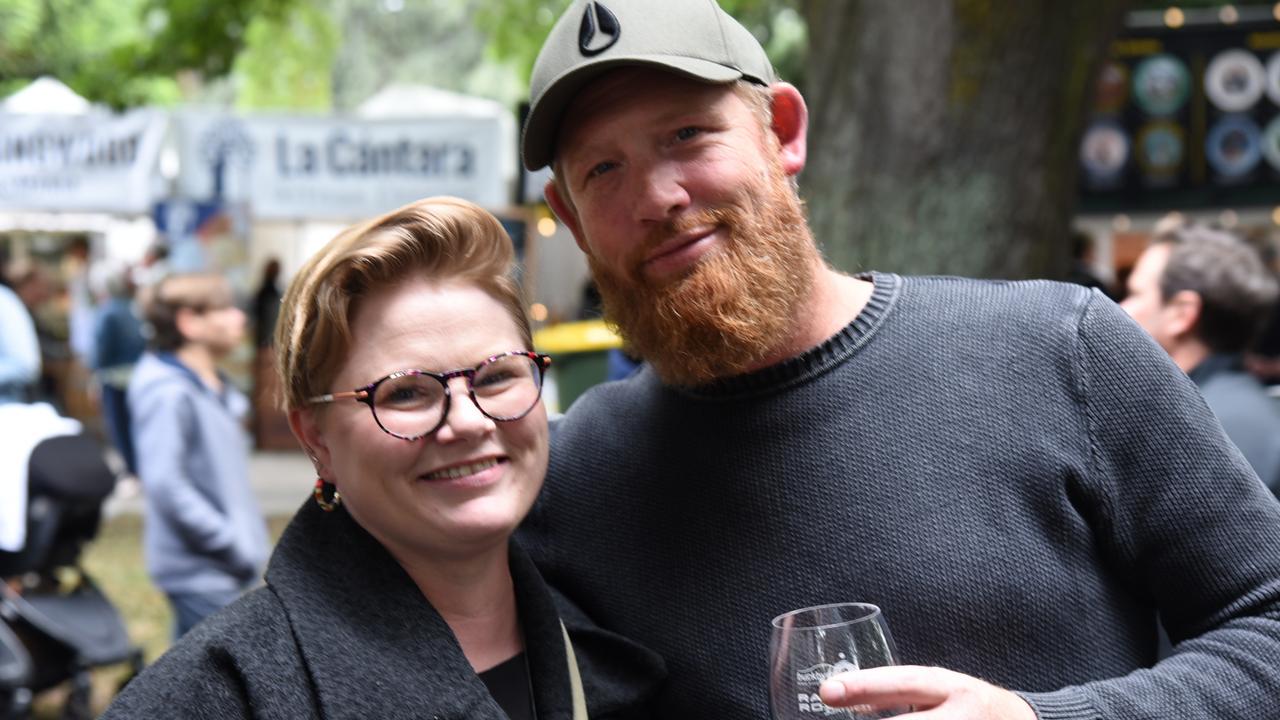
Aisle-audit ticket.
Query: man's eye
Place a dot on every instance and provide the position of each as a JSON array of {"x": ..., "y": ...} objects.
[
  {"x": 687, "y": 133},
  {"x": 600, "y": 168}
]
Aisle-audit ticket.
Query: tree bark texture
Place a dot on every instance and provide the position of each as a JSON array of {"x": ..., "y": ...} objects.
[{"x": 944, "y": 133}]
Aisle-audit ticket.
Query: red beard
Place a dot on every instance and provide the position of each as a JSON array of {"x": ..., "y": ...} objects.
[{"x": 737, "y": 307}]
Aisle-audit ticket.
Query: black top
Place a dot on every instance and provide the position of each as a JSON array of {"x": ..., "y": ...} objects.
[{"x": 509, "y": 684}]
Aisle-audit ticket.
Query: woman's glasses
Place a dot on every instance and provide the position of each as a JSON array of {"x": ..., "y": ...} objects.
[{"x": 411, "y": 404}]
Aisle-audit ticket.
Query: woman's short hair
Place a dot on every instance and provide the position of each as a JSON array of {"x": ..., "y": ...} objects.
[
  {"x": 193, "y": 291},
  {"x": 440, "y": 238}
]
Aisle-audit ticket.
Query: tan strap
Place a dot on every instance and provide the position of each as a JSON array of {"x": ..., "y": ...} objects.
[{"x": 575, "y": 679}]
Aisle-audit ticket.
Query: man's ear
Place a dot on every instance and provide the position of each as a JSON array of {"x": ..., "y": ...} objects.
[
  {"x": 563, "y": 210},
  {"x": 306, "y": 428},
  {"x": 790, "y": 126},
  {"x": 1183, "y": 312}
]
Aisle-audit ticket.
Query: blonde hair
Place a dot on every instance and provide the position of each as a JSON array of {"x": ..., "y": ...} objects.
[{"x": 440, "y": 238}]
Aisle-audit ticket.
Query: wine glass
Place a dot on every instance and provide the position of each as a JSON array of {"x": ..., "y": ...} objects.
[{"x": 809, "y": 645}]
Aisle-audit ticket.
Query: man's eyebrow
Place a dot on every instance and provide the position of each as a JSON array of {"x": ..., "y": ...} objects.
[{"x": 697, "y": 114}]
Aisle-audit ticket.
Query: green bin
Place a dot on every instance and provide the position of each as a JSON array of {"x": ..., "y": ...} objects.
[{"x": 579, "y": 359}]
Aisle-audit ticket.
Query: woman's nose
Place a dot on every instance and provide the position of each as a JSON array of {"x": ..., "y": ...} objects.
[{"x": 464, "y": 419}]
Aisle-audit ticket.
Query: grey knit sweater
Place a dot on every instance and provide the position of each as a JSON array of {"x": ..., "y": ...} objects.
[{"x": 1013, "y": 471}]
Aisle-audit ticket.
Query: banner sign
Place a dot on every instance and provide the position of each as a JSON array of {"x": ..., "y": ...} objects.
[
  {"x": 1186, "y": 117},
  {"x": 316, "y": 167},
  {"x": 80, "y": 163}
]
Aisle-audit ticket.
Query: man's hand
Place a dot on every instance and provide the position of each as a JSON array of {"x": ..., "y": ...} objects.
[{"x": 935, "y": 693}]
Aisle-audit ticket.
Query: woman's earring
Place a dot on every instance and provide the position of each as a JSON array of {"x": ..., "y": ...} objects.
[{"x": 318, "y": 494}]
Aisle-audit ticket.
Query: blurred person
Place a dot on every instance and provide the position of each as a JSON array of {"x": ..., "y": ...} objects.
[
  {"x": 36, "y": 290},
  {"x": 270, "y": 428},
  {"x": 1263, "y": 358},
  {"x": 266, "y": 305},
  {"x": 1014, "y": 472},
  {"x": 19, "y": 346},
  {"x": 153, "y": 267},
  {"x": 1202, "y": 294},
  {"x": 1082, "y": 258},
  {"x": 81, "y": 307},
  {"x": 117, "y": 345},
  {"x": 205, "y": 538},
  {"x": 409, "y": 379}
]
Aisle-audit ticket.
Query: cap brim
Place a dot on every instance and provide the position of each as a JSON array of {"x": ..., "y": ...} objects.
[{"x": 537, "y": 145}]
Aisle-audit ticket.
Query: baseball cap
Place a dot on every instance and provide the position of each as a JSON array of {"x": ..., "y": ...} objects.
[{"x": 694, "y": 38}]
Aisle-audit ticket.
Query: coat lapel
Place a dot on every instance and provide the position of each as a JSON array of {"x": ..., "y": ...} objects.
[
  {"x": 372, "y": 644},
  {"x": 544, "y": 640}
]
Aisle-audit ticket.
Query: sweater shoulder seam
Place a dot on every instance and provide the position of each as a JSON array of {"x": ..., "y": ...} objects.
[{"x": 1083, "y": 400}]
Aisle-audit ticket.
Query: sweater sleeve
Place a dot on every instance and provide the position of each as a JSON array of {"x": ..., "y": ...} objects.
[
  {"x": 163, "y": 423},
  {"x": 1177, "y": 511}
]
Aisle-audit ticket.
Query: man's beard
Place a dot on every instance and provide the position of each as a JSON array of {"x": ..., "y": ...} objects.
[{"x": 737, "y": 307}]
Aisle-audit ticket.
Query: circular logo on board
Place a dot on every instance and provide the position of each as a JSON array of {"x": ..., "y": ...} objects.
[
  {"x": 1234, "y": 146},
  {"x": 1271, "y": 143},
  {"x": 1113, "y": 88},
  {"x": 1103, "y": 153},
  {"x": 1273, "y": 78},
  {"x": 1160, "y": 149},
  {"x": 1235, "y": 80},
  {"x": 1161, "y": 85}
]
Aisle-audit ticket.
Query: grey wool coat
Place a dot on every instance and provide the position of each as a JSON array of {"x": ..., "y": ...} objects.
[{"x": 341, "y": 632}]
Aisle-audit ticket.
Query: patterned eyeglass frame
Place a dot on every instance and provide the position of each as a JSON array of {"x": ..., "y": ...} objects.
[{"x": 366, "y": 394}]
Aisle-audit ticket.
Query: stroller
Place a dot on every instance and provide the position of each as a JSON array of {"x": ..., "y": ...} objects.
[{"x": 57, "y": 625}]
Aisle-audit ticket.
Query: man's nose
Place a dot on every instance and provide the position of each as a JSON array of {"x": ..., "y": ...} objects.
[{"x": 661, "y": 192}]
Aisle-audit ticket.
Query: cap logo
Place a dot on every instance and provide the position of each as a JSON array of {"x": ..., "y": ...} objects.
[{"x": 599, "y": 29}]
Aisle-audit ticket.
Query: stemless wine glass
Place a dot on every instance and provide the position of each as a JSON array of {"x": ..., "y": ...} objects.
[{"x": 809, "y": 645}]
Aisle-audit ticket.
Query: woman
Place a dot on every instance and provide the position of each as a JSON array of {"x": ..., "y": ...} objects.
[{"x": 408, "y": 376}]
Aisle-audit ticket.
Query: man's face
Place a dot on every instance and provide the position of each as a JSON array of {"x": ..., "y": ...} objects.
[
  {"x": 692, "y": 230},
  {"x": 1143, "y": 300}
]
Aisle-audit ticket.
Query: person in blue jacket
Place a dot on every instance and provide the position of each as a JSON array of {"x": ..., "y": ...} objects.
[{"x": 204, "y": 538}]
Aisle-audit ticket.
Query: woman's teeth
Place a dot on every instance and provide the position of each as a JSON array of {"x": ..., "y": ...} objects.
[{"x": 461, "y": 470}]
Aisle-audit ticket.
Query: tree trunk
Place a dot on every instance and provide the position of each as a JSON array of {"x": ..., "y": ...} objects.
[{"x": 944, "y": 133}]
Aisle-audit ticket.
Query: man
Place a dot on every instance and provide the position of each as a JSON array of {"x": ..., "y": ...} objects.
[
  {"x": 1202, "y": 294},
  {"x": 1012, "y": 471}
]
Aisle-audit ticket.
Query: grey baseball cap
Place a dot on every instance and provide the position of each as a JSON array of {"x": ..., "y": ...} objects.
[{"x": 694, "y": 38}]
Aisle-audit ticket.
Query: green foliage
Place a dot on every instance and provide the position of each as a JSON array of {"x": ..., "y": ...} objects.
[
  {"x": 517, "y": 28},
  {"x": 305, "y": 54},
  {"x": 83, "y": 43},
  {"x": 19, "y": 21},
  {"x": 287, "y": 63},
  {"x": 126, "y": 52},
  {"x": 201, "y": 35},
  {"x": 428, "y": 42}
]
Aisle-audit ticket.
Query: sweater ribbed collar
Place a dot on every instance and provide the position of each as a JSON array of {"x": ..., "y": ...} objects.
[{"x": 815, "y": 361}]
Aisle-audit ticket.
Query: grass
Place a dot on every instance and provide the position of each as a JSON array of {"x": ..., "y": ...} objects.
[{"x": 114, "y": 560}]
